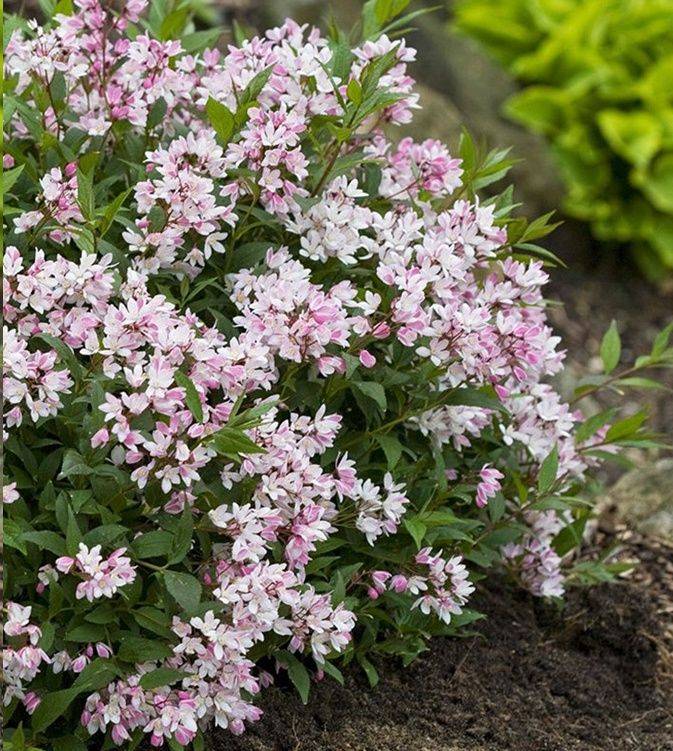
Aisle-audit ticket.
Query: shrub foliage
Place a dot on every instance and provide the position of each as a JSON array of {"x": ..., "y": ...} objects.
[
  {"x": 597, "y": 77},
  {"x": 275, "y": 391}
]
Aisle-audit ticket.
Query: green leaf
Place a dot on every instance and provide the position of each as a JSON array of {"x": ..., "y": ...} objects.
[
  {"x": 626, "y": 428},
  {"x": 370, "y": 22},
  {"x": 96, "y": 675},
  {"x": 51, "y": 541},
  {"x": 248, "y": 255},
  {"x": 639, "y": 382},
  {"x": 635, "y": 135},
  {"x": 64, "y": 352},
  {"x": 138, "y": 649},
  {"x": 85, "y": 194},
  {"x": 184, "y": 588},
  {"x": 370, "y": 670},
  {"x": 257, "y": 83},
  {"x": 157, "y": 113},
  {"x": 68, "y": 743},
  {"x": 182, "y": 537},
  {"x": 103, "y": 614},
  {"x": 52, "y": 706},
  {"x": 104, "y": 534},
  {"x": 661, "y": 341},
  {"x": 152, "y": 544},
  {"x": 221, "y": 119},
  {"x": 73, "y": 535},
  {"x": 571, "y": 536},
  {"x": 64, "y": 7},
  {"x": 86, "y": 632},
  {"x": 297, "y": 673},
  {"x": 233, "y": 443},
  {"x": 543, "y": 109},
  {"x": 416, "y": 528},
  {"x": 342, "y": 59},
  {"x": 248, "y": 97},
  {"x": 153, "y": 620},
  {"x": 198, "y": 41},
  {"x": 593, "y": 424},
  {"x": 469, "y": 397},
  {"x": 192, "y": 398},
  {"x": 392, "y": 448},
  {"x": 658, "y": 183},
  {"x": 13, "y": 537},
  {"x": 373, "y": 391},
  {"x": 250, "y": 418},
  {"x": 241, "y": 33},
  {"x": 548, "y": 471},
  {"x": 611, "y": 348},
  {"x": 338, "y": 583},
  {"x": 333, "y": 671},
  {"x": 161, "y": 677},
  {"x": 354, "y": 91},
  {"x": 9, "y": 177},
  {"x": 173, "y": 24}
]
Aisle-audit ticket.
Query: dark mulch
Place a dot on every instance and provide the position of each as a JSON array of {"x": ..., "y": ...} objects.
[{"x": 597, "y": 676}]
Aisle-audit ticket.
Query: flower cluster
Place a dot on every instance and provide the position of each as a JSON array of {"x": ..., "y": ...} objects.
[
  {"x": 539, "y": 563},
  {"x": 295, "y": 318},
  {"x": 21, "y": 664},
  {"x": 59, "y": 204},
  {"x": 259, "y": 363},
  {"x": 102, "y": 577},
  {"x": 443, "y": 590},
  {"x": 184, "y": 192}
]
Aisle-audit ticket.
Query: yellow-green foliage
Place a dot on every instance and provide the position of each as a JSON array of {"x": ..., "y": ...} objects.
[{"x": 599, "y": 85}]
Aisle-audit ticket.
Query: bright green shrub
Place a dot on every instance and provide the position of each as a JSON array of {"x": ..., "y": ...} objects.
[{"x": 600, "y": 86}]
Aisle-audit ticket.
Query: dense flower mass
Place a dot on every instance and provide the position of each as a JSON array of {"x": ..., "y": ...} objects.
[{"x": 267, "y": 375}]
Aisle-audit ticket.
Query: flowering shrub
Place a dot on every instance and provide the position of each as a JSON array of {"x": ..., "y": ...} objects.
[
  {"x": 274, "y": 384},
  {"x": 597, "y": 77}
]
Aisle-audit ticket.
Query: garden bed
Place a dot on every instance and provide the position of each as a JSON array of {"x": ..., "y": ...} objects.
[{"x": 597, "y": 676}]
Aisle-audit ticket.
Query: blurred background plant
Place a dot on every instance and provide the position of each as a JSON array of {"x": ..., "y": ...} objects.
[{"x": 597, "y": 78}]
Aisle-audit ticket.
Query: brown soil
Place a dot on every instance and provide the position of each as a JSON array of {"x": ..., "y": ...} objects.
[{"x": 597, "y": 676}]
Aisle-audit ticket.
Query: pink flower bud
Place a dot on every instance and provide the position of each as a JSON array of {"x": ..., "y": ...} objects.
[
  {"x": 31, "y": 701},
  {"x": 100, "y": 437},
  {"x": 381, "y": 330},
  {"x": 79, "y": 664},
  {"x": 64, "y": 564},
  {"x": 501, "y": 391},
  {"x": 103, "y": 650},
  {"x": 367, "y": 359},
  {"x": 183, "y": 736}
]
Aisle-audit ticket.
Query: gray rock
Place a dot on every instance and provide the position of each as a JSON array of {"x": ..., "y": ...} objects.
[{"x": 643, "y": 499}]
